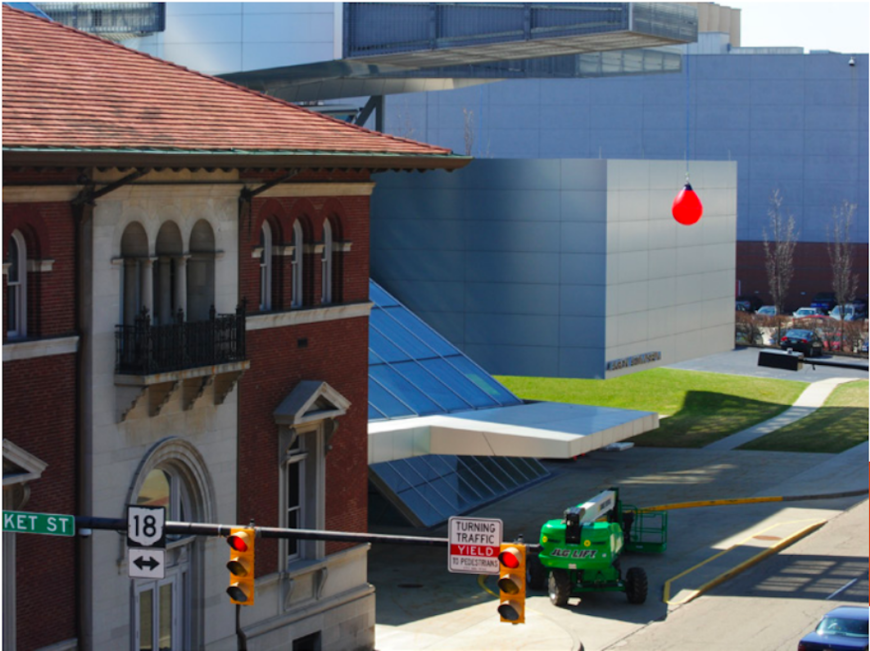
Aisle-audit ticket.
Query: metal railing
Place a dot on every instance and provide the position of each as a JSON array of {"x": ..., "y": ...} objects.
[
  {"x": 144, "y": 348},
  {"x": 116, "y": 20}
]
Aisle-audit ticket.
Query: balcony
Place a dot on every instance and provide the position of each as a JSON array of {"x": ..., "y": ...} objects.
[
  {"x": 156, "y": 363},
  {"x": 115, "y": 21}
]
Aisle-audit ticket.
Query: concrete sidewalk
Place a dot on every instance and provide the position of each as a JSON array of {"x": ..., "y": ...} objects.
[
  {"x": 812, "y": 398},
  {"x": 422, "y": 606}
]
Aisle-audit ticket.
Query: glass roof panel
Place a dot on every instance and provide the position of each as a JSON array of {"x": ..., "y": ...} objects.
[
  {"x": 387, "y": 377},
  {"x": 432, "y": 387}
]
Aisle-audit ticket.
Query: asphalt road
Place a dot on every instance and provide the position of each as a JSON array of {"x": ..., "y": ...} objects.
[{"x": 772, "y": 605}]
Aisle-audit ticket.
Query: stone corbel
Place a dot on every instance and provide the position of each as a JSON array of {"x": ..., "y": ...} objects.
[
  {"x": 128, "y": 398},
  {"x": 193, "y": 389},
  {"x": 330, "y": 426},
  {"x": 286, "y": 438},
  {"x": 223, "y": 384},
  {"x": 159, "y": 395},
  {"x": 40, "y": 266},
  {"x": 320, "y": 581}
]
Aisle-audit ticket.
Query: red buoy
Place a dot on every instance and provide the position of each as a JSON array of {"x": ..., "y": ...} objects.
[{"x": 687, "y": 208}]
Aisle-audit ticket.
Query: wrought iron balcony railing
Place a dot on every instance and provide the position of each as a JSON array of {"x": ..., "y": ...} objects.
[{"x": 144, "y": 348}]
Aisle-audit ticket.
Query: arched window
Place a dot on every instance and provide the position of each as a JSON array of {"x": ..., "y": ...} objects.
[
  {"x": 326, "y": 264},
  {"x": 266, "y": 268},
  {"x": 296, "y": 265},
  {"x": 200, "y": 272},
  {"x": 169, "y": 274},
  {"x": 16, "y": 287},
  {"x": 136, "y": 283}
]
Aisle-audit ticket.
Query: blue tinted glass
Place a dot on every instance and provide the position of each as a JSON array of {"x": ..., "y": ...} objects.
[
  {"x": 428, "y": 515},
  {"x": 384, "y": 402},
  {"x": 432, "y": 339},
  {"x": 378, "y": 296},
  {"x": 383, "y": 348},
  {"x": 497, "y": 468},
  {"x": 426, "y": 471},
  {"x": 484, "y": 381},
  {"x": 469, "y": 391},
  {"x": 374, "y": 414},
  {"x": 402, "y": 389},
  {"x": 414, "y": 348},
  {"x": 393, "y": 479},
  {"x": 429, "y": 384}
]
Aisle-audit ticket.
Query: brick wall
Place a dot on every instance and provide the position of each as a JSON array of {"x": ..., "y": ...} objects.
[
  {"x": 49, "y": 233},
  {"x": 39, "y": 416},
  {"x": 350, "y": 220},
  {"x": 337, "y": 353},
  {"x": 812, "y": 271}
]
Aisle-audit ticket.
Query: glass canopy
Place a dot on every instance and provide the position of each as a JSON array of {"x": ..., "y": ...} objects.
[{"x": 414, "y": 371}]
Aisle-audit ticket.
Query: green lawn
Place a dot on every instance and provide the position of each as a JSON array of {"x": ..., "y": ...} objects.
[
  {"x": 701, "y": 407},
  {"x": 840, "y": 424}
]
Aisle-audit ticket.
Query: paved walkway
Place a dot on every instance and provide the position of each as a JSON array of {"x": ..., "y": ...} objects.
[{"x": 812, "y": 398}]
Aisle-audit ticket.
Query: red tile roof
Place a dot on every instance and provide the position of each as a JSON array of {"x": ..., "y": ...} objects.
[{"x": 66, "y": 89}]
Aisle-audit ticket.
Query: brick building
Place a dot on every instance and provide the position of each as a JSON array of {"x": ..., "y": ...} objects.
[{"x": 185, "y": 269}]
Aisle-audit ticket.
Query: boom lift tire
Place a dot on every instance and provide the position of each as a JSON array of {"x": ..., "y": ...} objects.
[
  {"x": 559, "y": 587},
  {"x": 536, "y": 573},
  {"x": 636, "y": 585}
]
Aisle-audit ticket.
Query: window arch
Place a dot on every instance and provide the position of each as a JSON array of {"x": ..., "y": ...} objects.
[
  {"x": 266, "y": 267},
  {"x": 169, "y": 273},
  {"x": 326, "y": 265},
  {"x": 201, "y": 272},
  {"x": 135, "y": 282},
  {"x": 16, "y": 287},
  {"x": 296, "y": 265}
]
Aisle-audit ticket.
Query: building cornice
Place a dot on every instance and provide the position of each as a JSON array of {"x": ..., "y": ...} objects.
[
  {"x": 33, "y": 348},
  {"x": 312, "y": 315}
]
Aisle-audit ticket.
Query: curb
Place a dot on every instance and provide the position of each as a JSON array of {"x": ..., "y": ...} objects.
[{"x": 770, "y": 551}]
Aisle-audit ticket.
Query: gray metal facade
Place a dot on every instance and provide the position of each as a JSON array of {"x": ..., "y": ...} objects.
[{"x": 798, "y": 123}]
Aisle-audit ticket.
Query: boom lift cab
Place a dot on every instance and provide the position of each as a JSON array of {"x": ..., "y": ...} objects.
[{"x": 580, "y": 552}]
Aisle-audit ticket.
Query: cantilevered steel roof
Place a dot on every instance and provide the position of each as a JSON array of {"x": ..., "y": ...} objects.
[
  {"x": 401, "y": 47},
  {"x": 67, "y": 93}
]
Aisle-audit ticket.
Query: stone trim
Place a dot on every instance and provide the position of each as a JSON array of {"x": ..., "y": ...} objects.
[
  {"x": 40, "y": 193},
  {"x": 308, "y": 315},
  {"x": 326, "y": 189},
  {"x": 31, "y": 349},
  {"x": 37, "y": 266}
]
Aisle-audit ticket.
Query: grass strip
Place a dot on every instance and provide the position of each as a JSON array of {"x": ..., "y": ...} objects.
[
  {"x": 700, "y": 407},
  {"x": 841, "y": 423}
]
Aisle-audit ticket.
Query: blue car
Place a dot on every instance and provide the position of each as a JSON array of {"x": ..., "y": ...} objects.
[{"x": 842, "y": 629}]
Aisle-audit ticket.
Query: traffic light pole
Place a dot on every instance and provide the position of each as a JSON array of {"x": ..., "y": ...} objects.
[{"x": 203, "y": 529}]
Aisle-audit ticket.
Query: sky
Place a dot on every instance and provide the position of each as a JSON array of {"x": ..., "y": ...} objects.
[{"x": 837, "y": 26}]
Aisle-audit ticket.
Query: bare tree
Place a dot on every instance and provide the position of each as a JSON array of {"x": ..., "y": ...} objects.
[
  {"x": 779, "y": 247},
  {"x": 844, "y": 279},
  {"x": 469, "y": 130}
]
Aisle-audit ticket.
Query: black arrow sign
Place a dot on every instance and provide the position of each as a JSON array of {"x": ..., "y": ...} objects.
[{"x": 151, "y": 563}]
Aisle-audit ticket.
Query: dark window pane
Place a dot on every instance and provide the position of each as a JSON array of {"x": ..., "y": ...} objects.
[
  {"x": 484, "y": 381},
  {"x": 397, "y": 334},
  {"x": 386, "y": 403},
  {"x": 402, "y": 389},
  {"x": 423, "y": 331},
  {"x": 431, "y": 386},
  {"x": 469, "y": 391},
  {"x": 383, "y": 349},
  {"x": 292, "y": 485}
]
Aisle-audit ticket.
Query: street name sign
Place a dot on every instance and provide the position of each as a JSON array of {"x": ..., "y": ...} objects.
[
  {"x": 474, "y": 545},
  {"x": 50, "y": 524},
  {"x": 145, "y": 526},
  {"x": 147, "y": 563}
]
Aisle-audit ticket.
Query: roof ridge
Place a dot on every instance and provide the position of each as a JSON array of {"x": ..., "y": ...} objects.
[{"x": 213, "y": 78}]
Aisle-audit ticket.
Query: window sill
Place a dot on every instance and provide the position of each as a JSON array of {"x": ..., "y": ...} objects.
[
  {"x": 307, "y": 315},
  {"x": 17, "y": 349}
]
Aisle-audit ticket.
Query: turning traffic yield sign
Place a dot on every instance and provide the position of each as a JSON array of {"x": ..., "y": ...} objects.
[{"x": 474, "y": 545}]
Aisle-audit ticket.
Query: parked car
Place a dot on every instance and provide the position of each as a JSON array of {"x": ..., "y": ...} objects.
[
  {"x": 767, "y": 310},
  {"x": 804, "y": 312},
  {"x": 802, "y": 341},
  {"x": 842, "y": 629},
  {"x": 825, "y": 301},
  {"x": 849, "y": 312},
  {"x": 748, "y": 303}
]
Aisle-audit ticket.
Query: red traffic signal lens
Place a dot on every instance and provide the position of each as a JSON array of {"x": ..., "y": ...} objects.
[
  {"x": 238, "y": 542},
  {"x": 510, "y": 558}
]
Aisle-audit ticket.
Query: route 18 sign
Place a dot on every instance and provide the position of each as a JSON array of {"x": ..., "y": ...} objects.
[{"x": 474, "y": 545}]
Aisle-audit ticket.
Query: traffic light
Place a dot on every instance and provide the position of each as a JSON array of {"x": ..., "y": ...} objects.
[
  {"x": 512, "y": 583},
  {"x": 241, "y": 566}
]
